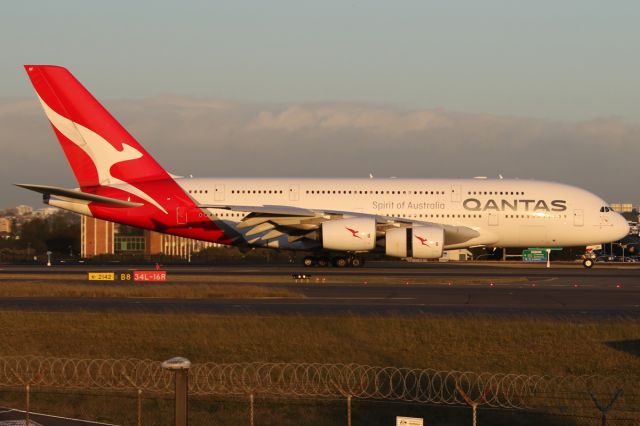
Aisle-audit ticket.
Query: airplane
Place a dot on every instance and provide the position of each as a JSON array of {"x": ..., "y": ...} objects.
[{"x": 337, "y": 220}]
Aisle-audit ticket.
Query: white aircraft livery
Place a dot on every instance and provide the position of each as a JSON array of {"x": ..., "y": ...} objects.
[{"x": 333, "y": 219}]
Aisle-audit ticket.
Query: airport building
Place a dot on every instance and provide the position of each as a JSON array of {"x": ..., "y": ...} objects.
[
  {"x": 99, "y": 237},
  {"x": 96, "y": 237}
]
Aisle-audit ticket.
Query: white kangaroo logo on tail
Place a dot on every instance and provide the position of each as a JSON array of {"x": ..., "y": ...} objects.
[{"x": 103, "y": 154}]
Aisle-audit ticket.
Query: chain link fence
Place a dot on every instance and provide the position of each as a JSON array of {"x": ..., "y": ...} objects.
[{"x": 135, "y": 391}]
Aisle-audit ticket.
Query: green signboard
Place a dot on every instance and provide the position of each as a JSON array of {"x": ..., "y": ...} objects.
[
  {"x": 537, "y": 254},
  {"x": 534, "y": 255}
]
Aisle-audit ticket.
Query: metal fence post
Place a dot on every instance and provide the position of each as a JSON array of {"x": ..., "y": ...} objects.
[
  {"x": 604, "y": 409},
  {"x": 472, "y": 403},
  {"x": 139, "y": 407},
  {"x": 180, "y": 367},
  {"x": 27, "y": 403},
  {"x": 251, "y": 409},
  {"x": 348, "y": 410},
  {"x": 474, "y": 409}
]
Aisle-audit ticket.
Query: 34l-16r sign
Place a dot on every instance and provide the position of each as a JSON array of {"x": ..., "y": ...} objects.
[{"x": 149, "y": 276}]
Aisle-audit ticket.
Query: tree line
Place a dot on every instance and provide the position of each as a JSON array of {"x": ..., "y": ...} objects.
[{"x": 58, "y": 233}]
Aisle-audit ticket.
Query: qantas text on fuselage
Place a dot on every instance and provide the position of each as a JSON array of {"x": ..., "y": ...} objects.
[{"x": 473, "y": 204}]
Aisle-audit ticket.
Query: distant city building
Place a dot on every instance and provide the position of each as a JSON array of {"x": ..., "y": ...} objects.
[
  {"x": 622, "y": 207},
  {"x": 23, "y": 210},
  {"x": 5, "y": 225},
  {"x": 45, "y": 212},
  {"x": 99, "y": 237}
]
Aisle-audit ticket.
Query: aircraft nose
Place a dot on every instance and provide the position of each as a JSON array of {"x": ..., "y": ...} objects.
[{"x": 620, "y": 228}]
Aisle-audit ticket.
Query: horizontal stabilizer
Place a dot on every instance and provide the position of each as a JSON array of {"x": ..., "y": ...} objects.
[{"x": 74, "y": 194}]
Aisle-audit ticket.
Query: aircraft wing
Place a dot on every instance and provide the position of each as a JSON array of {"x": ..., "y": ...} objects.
[
  {"x": 267, "y": 209},
  {"x": 272, "y": 221}
]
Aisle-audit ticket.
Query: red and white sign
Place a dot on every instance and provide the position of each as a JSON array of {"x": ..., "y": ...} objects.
[{"x": 149, "y": 276}]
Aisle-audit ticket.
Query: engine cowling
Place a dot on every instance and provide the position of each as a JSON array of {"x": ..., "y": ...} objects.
[
  {"x": 354, "y": 234},
  {"x": 420, "y": 242}
]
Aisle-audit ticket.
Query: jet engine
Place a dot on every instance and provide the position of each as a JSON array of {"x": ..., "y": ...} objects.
[
  {"x": 420, "y": 242},
  {"x": 354, "y": 234}
]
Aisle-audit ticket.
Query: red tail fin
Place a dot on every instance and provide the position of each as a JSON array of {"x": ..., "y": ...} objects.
[
  {"x": 99, "y": 150},
  {"x": 108, "y": 162}
]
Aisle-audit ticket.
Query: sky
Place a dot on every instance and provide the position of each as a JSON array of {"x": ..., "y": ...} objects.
[{"x": 544, "y": 89}]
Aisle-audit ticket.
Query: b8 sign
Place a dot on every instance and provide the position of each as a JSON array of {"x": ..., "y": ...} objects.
[{"x": 125, "y": 276}]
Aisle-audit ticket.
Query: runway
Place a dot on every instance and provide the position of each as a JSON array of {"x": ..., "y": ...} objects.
[{"x": 381, "y": 289}]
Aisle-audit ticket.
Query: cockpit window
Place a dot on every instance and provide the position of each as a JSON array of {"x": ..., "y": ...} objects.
[{"x": 605, "y": 209}]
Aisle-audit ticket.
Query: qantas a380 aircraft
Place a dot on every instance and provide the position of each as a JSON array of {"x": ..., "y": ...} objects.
[{"x": 336, "y": 219}]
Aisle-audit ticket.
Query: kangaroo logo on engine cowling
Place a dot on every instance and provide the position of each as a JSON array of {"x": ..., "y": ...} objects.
[
  {"x": 473, "y": 204},
  {"x": 423, "y": 241},
  {"x": 354, "y": 232}
]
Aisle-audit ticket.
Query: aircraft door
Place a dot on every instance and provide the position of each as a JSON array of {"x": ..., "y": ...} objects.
[
  {"x": 294, "y": 192},
  {"x": 218, "y": 192},
  {"x": 455, "y": 193},
  {"x": 578, "y": 218},
  {"x": 493, "y": 218}
]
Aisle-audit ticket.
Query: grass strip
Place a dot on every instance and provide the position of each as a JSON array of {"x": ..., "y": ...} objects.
[
  {"x": 168, "y": 291},
  {"x": 473, "y": 343}
]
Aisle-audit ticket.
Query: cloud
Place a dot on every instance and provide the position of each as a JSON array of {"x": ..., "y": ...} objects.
[
  {"x": 211, "y": 137},
  {"x": 338, "y": 117}
]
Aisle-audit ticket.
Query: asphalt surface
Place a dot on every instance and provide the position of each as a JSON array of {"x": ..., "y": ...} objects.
[{"x": 383, "y": 288}]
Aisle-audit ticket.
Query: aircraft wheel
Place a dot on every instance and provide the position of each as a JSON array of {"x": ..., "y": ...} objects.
[
  {"x": 340, "y": 262},
  {"x": 323, "y": 262},
  {"x": 357, "y": 262},
  {"x": 587, "y": 263},
  {"x": 308, "y": 261}
]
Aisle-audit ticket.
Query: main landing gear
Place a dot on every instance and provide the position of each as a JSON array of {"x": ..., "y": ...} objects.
[{"x": 337, "y": 261}]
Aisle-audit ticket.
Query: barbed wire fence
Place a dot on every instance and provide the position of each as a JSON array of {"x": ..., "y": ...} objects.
[{"x": 591, "y": 396}]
